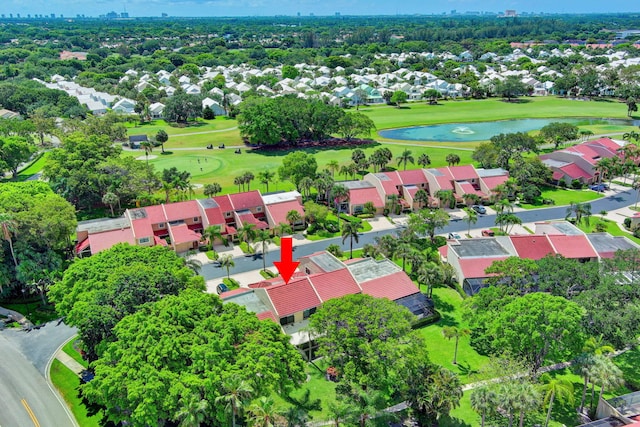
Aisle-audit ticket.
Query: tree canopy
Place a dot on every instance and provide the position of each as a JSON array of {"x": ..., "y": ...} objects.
[{"x": 187, "y": 345}]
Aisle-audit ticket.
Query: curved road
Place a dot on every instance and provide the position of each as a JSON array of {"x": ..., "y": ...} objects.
[
  {"x": 242, "y": 264},
  {"x": 27, "y": 397}
]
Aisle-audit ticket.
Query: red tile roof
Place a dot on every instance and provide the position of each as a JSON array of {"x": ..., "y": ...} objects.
[
  {"x": 268, "y": 315},
  {"x": 159, "y": 241},
  {"x": 467, "y": 188},
  {"x": 444, "y": 180},
  {"x": 141, "y": 227},
  {"x": 82, "y": 246},
  {"x": 465, "y": 172},
  {"x": 532, "y": 246},
  {"x": 576, "y": 246},
  {"x": 493, "y": 181},
  {"x": 389, "y": 186},
  {"x": 412, "y": 176},
  {"x": 234, "y": 292},
  {"x": 584, "y": 151},
  {"x": 213, "y": 216},
  {"x": 248, "y": 218},
  {"x": 182, "y": 210},
  {"x": 473, "y": 268},
  {"x": 182, "y": 234},
  {"x": 155, "y": 214},
  {"x": 334, "y": 284},
  {"x": 393, "y": 286},
  {"x": 574, "y": 171},
  {"x": 608, "y": 143},
  {"x": 101, "y": 241},
  {"x": 246, "y": 200},
  {"x": 297, "y": 295},
  {"x": 224, "y": 202},
  {"x": 279, "y": 211},
  {"x": 360, "y": 196}
]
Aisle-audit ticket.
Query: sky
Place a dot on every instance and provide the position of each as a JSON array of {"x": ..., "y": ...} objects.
[{"x": 141, "y": 8}]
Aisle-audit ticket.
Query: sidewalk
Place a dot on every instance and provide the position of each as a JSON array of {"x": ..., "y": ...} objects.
[{"x": 69, "y": 362}]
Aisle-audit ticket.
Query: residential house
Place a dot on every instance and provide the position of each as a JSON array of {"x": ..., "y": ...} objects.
[
  {"x": 125, "y": 106},
  {"x": 156, "y": 110},
  {"x": 361, "y": 192},
  {"x": 136, "y": 140},
  {"x": 278, "y": 205},
  {"x": 8, "y": 114}
]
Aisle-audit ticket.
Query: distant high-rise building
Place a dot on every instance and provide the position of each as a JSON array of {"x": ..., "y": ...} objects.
[
  {"x": 11, "y": 15},
  {"x": 337, "y": 13},
  {"x": 454, "y": 12},
  {"x": 112, "y": 15},
  {"x": 124, "y": 15},
  {"x": 53, "y": 16},
  {"x": 17, "y": 15},
  {"x": 510, "y": 13},
  {"x": 28, "y": 16},
  {"x": 164, "y": 15}
]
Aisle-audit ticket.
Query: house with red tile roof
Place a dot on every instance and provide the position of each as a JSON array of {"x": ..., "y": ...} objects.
[
  {"x": 278, "y": 205},
  {"x": 532, "y": 246},
  {"x": 361, "y": 192},
  {"x": 578, "y": 162}
]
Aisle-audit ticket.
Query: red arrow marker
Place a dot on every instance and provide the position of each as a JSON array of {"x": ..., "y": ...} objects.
[{"x": 286, "y": 266}]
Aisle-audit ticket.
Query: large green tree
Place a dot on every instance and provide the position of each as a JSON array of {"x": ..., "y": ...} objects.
[
  {"x": 298, "y": 165},
  {"x": 96, "y": 292},
  {"x": 189, "y": 344}
]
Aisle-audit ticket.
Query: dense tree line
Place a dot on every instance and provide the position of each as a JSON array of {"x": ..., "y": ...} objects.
[{"x": 289, "y": 120}]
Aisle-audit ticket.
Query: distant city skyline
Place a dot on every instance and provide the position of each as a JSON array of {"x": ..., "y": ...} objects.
[{"x": 202, "y": 8}]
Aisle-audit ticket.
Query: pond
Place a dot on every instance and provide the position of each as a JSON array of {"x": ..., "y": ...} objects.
[{"x": 483, "y": 131}]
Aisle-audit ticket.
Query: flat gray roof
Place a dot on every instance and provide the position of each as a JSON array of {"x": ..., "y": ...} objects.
[
  {"x": 484, "y": 173},
  {"x": 280, "y": 197},
  {"x": 207, "y": 203},
  {"x": 369, "y": 269},
  {"x": 604, "y": 242},
  {"x": 250, "y": 301},
  {"x": 354, "y": 185},
  {"x": 488, "y": 247},
  {"x": 628, "y": 405},
  {"x": 326, "y": 261},
  {"x": 103, "y": 224}
]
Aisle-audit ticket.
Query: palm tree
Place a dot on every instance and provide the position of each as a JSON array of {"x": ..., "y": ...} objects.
[
  {"x": 192, "y": 412},
  {"x": 248, "y": 177},
  {"x": 527, "y": 399},
  {"x": 636, "y": 186},
  {"x": 581, "y": 210},
  {"x": 193, "y": 264},
  {"x": 333, "y": 166},
  {"x": 607, "y": 375},
  {"x": 238, "y": 180},
  {"x": 453, "y": 332},
  {"x": 470, "y": 218},
  {"x": 227, "y": 262},
  {"x": 162, "y": 137},
  {"x": 167, "y": 187},
  {"x": 430, "y": 274},
  {"x": 110, "y": 199},
  {"x": 295, "y": 416},
  {"x": 392, "y": 202},
  {"x": 148, "y": 148},
  {"x": 293, "y": 217},
  {"x": 403, "y": 250},
  {"x": 262, "y": 412},
  {"x": 503, "y": 206},
  {"x": 340, "y": 195},
  {"x": 424, "y": 160},
  {"x": 211, "y": 233},
  {"x": 560, "y": 387},
  {"x": 281, "y": 229},
  {"x": 482, "y": 401},
  {"x": 247, "y": 233},
  {"x": 446, "y": 198},
  {"x": 263, "y": 237},
  {"x": 266, "y": 177},
  {"x": 9, "y": 226},
  {"x": 350, "y": 231},
  {"x": 304, "y": 185},
  {"x": 452, "y": 159},
  {"x": 597, "y": 346},
  {"x": 236, "y": 392},
  {"x": 405, "y": 158},
  {"x": 340, "y": 412},
  {"x": 345, "y": 170},
  {"x": 212, "y": 190},
  {"x": 422, "y": 198}
]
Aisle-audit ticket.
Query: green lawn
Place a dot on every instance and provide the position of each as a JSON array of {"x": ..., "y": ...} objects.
[
  {"x": 70, "y": 349},
  {"x": 67, "y": 384},
  {"x": 612, "y": 227},
  {"x": 563, "y": 197},
  {"x": 33, "y": 310}
]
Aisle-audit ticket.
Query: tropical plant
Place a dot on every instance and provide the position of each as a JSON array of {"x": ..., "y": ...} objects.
[
  {"x": 483, "y": 402},
  {"x": 247, "y": 233},
  {"x": 110, "y": 199},
  {"x": 266, "y": 177},
  {"x": 404, "y": 158},
  {"x": 424, "y": 160},
  {"x": 227, "y": 262},
  {"x": 452, "y": 159},
  {"x": 148, "y": 148},
  {"x": 281, "y": 229},
  {"x": 262, "y": 412},
  {"x": 9, "y": 227},
  {"x": 236, "y": 392},
  {"x": 430, "y": 274},
  {"x": 212, "y": 190},
  {"x": 422, "y": 198},
  {"x": 293, "y": 217},
  {"x": 263, "y": 237},
  {"x": 162, "y": 137},
  {"x": 470, "y": 218},
  {"x": 454, "y": 332},
  {"x": 192, "y": 412},
  {"x": 553, "y": 388},
  {"x": 580, "y": 210},
  {"x": 350, "y": 231}
]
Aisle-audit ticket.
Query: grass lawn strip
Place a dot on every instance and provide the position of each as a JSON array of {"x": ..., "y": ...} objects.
[
  {"x": 71, "y": 351},
  {"x": 67, "y": 384}
]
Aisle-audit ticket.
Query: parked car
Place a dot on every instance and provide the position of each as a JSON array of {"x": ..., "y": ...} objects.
[
  {"x": 599, "y": 187},
  {"x": 479, "y": 208},
  {"x": 221, "y": 288},
  {"x": 488, "y": 233},
  {"x": 454, "y": 236}
]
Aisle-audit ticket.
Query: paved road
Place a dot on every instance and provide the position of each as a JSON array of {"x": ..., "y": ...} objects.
[
  {"x": 243, "y": 264},
  {"x": 27, "y": 399}
]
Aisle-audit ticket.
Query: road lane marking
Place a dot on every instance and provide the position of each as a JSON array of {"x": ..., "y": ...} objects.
[{"x": 30, "y": 412}]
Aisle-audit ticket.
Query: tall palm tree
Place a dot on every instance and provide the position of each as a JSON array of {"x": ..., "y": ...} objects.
[
  {"x": 239, "y": 181},
  {"x": 350, "y": 231},
  {"x": 304, "y": 185},
  {"x": 339, "y": 195},
  {"x": 527, "y": 399},
  {"x": 580, "y": 210},
  {"x": 211, "y": 190},
  {"x": 584, "y": 367},
  {"x": 470, "y": 218},
  {"x": 403, "y": 250},
  {"x": 266, "y": 177},
  {"x": 482, "y": 401},
  {"x": 429, "y": 274},
  {"x": 452, "y": 159},
  {"x": 262, "y": 412},
  {"x": 607, "y": 375},
  {"x": 110, "y": 199},
  {"x": 293, "y": 216},
  {"x": 9, "y": 227},
  {"x": 227, "y": 262},
  {"x": 404, "y": 158},
  {"x": 340, "y": 412},
  {"x": 446, "y": 197},
  {"x": 236, "y": 392},
  {"x": 148, "y": 148},
  {"x": 247, "y": 233},
  {"x": 192, "y": 412},
  {"x": 263, "y": 237},
  {"x": 503, "y": 206},
  {"x": 248, "y": 177},
  {"x": 556, "y": 387},
  {"x": 193, "y": 264},
  {"x": 636, "y": 186},
  {"x": 281, "y": 229},
  {"x": 454, "y": 332},
  {"x": 424, "y": 160},
  {"x": 211, "y": 233},
  {"x": 392, "y": 202},
  {"x": 422, "y": 198},
  {"x": 333, "y": 166}
]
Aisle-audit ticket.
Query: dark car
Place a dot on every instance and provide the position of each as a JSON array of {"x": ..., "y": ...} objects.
[
  {"x": 479, "y": 208},
  {"x": 488, "y": 233},
  {"x": 221, "y": 288},
  {"x": 454, "y": 236},
  {"x": 599, "y": 187}
]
